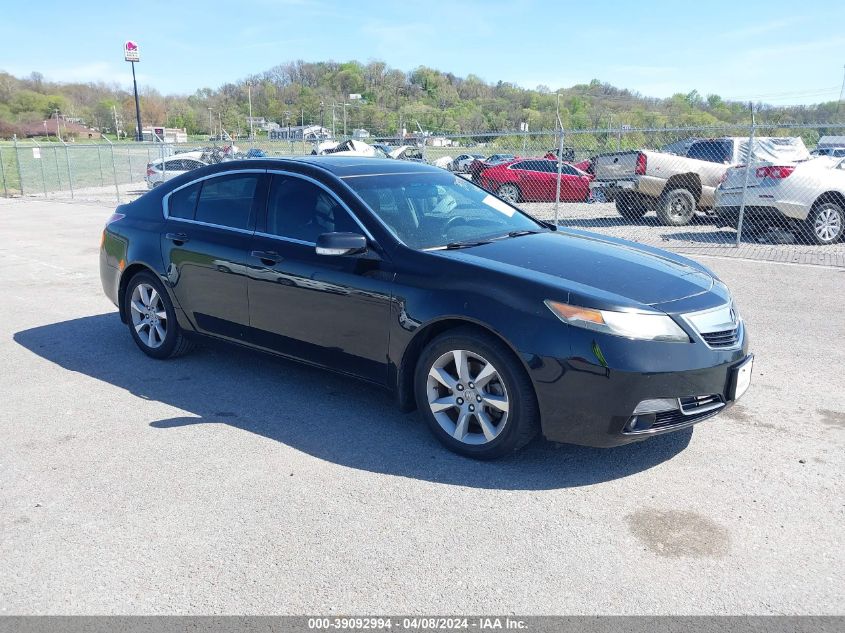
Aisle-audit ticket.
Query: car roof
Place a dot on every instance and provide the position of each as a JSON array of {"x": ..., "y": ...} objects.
[{"x": 340, "y": 166}]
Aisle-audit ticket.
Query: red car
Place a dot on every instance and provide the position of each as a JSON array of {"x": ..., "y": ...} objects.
[
  {"x": 535, "y": 180},
  {"x": 479, "y": 165}
]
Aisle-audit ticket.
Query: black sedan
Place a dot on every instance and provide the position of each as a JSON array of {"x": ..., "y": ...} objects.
[{"x": 493, "y": 324}]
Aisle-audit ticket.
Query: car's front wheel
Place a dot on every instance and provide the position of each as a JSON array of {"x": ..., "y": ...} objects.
[
  {"x": 474, "y": 395},
  {"x": 509, "y": 192},
  {"x": 152, "y": 319}
]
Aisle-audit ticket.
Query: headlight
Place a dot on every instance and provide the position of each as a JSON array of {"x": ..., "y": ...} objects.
[{"x": 647, "y": 327}]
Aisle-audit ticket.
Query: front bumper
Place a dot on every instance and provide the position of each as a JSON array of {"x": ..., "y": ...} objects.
[{"x": 590, "y": 397}]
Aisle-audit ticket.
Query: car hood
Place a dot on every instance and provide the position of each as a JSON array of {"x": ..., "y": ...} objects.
[{"x": 586, "y": 262}]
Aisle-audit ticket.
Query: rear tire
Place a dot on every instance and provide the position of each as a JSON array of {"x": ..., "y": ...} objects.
[
  {"x": 152, "y": 318},
  {"x": 676, "y": 207},
  {"x": 630, "y": 206},
  {"x": 825, "y": 224},
  {"x": 474, "y": 395}
]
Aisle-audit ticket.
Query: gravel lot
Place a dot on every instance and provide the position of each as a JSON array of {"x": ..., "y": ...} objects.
[{"x": 232, "y": 482}]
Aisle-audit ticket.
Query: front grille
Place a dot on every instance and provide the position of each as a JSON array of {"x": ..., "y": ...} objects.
[
  {"x": 691, "y": 409},
  {"x": 723, "y": 338},
  {"x": 688, "y": 413},
  {"x": 719, "y": 328}
]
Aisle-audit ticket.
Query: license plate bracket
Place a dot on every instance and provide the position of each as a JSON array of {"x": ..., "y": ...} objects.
[{"x": 740, "y": 378}]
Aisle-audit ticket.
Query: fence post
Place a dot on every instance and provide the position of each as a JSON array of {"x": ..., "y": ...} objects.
[
  {"x": 129, "y": 156},
  {"x": 41, "y": 163},
  {"x": 748, "y": 164},
  {"x": 100, "y": 160},
  {"x": 69, "y": 176},
  {"x": 113, "y": 169},
  {"x": 58, "y": 171},
  {"x": 18, "y": 161},
  {"x": 559, "y": 170},
  {"x": 3, "y": 174}
]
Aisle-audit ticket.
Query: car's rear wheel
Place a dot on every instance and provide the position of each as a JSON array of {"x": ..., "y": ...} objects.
[
  {"x": 152, "y": 319},
  {"x": 509, "y": 192},
  {"x": 630, "y": 206},
  {"x": 676, "y": 207},
  {"x": 474, "y": 395},
  {"x": 826, "y": 223}
]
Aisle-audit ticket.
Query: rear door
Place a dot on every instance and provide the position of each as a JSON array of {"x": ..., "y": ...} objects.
[{"x": 208, "y": 230}]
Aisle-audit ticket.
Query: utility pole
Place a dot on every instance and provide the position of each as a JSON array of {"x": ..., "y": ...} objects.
[
  {"x": 210, "y": 124},
  {"x": 116, "y": 124},
  {"x": 58, "y": 130},
  {"x": 841, "y": 93},
  {"x": 344, "y": 118},
  {"x": 249, "y": 96},
  {"x": 321, "y": 119}
]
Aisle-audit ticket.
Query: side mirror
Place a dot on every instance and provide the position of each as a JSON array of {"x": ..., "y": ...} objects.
[{"x": 341, "y": 244}]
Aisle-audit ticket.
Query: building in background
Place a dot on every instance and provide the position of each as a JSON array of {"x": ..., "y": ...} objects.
[
  {"x": 165, "y": 134},
  {"x": 300, "y": 133}
]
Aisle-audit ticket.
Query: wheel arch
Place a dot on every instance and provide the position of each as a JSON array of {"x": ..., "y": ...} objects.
[
  {"x": 425, "y": 334},
  {"x": 834, "y": 196},
  {"x": 690, "y": 181},
  {"x": 126, "y": 276}
]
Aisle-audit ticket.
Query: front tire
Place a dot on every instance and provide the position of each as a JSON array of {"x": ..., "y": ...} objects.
[
  {"x": 474, "y": 395},
  {"x": 676, "y": 207},
  {"x": 152, "y": 318},
  {"x": 509, "y": 193}
]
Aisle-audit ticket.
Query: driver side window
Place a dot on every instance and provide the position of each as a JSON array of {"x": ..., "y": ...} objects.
[{"x": 300, "y": 210}]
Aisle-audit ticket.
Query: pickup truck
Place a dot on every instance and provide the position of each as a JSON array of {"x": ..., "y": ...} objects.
[{"x": 678, "y": 186}]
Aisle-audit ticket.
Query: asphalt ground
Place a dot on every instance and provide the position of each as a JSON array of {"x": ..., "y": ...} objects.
[{"x": 230, "y": 482}]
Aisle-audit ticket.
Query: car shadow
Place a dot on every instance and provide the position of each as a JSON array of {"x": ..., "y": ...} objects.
[{"x": 331, "y": 417}]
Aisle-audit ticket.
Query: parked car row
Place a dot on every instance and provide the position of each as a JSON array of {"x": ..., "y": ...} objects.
[{"x": 785, "y": 185}]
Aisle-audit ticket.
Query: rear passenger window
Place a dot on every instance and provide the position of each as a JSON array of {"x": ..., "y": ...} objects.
[
  {"x": 227, "y": 200},
  {"x": 183, "y": 203}
]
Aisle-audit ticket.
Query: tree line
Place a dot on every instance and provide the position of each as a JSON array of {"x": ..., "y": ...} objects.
[{"x": 391, "y": 99}]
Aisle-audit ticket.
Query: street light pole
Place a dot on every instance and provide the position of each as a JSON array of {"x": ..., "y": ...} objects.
[
  {"x": 321, "y": 119},
  {"x": 210, "y": 124}
]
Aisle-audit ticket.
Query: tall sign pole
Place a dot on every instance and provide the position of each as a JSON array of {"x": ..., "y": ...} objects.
[{"x": 132, "y": 55}]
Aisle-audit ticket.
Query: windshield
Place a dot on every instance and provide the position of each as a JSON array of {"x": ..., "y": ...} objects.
[{"x": 429, "y": 210}]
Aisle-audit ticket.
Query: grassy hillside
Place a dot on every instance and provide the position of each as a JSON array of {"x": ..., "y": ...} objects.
[{"x": 436, "y": 101}]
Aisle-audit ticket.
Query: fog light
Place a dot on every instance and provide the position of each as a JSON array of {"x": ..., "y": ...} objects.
[
  {"x": 641, "y": 422},
  {"x": 657, "y": 405}
]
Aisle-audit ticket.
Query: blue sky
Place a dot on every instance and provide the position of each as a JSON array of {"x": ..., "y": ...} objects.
[{"x": 778, "y": 52}]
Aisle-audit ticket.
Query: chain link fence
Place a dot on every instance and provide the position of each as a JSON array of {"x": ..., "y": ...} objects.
[{"x": 759, "y": 191}]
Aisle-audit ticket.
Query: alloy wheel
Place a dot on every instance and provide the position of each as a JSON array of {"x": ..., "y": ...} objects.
[
  {"x": 467, "y": 397},
  {"x": 827, "y": 224},
  {"x": 149, "y": 317},
  {"x": 509, "y": 193}
]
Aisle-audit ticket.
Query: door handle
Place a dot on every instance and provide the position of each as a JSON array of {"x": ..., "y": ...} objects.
[
  {"x": 267, "y": 257},
  {"x": 178, "y": 238}
]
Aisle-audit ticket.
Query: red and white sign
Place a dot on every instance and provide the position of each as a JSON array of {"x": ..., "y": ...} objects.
[{"x": 131, "y": 52}]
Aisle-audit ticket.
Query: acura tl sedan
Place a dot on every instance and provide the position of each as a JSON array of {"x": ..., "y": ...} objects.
[{"x": 494, "y": 325}]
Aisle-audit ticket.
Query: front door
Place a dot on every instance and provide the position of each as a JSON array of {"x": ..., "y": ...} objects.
[{"x": 329, "y": 310}]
